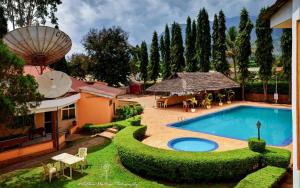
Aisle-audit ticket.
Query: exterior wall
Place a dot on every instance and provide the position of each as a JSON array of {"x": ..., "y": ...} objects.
[
  {"x": 94, "y": 109},
  {"x": 258, "y": 97}
]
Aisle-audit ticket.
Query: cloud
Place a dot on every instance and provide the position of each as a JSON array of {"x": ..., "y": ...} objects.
[{"x": 140, "y": 17}]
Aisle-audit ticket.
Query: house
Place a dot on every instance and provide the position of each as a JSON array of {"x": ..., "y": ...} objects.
[
  {"x": 286, "y": 14},
  {"x": 85, "y": 102}
]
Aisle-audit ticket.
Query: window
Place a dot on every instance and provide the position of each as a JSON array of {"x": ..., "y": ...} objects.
[{"x": 68, "y": 112}]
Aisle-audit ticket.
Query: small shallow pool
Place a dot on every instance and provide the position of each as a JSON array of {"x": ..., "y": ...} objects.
[
  {"x": 240, "y": 123},
  {"x": 192, "y": 144}
]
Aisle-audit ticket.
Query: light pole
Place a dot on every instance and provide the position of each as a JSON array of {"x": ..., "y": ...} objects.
[{"x": 258, "y": 125}]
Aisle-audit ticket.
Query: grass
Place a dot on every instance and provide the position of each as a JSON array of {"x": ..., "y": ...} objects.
[{"x": 104, "y": 170}]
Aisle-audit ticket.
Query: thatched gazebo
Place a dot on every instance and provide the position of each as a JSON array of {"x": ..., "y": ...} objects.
[{"x": 189, "y": 83}]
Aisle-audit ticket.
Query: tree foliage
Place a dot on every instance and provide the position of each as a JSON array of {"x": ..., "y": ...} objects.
[
  {"x": 166, "y": 67},
  {"x": 221, "y": 61},
  {"x": 244, "y": 47},
  {"x": 162, "y": 51},
  {"x": 188, "y": 46},
  {"x": 154, "y": 58},
  {"x": 215, "y": 38},
  {"x": 80, "y": 66},
  {"x": 286, "y": 56},
  {"x": 144, "y": 62},
  {"x": 28, "y": 12},
  {"x": 177, "y": 50},
  {"x": 62, "y": 65},
  {"x": 203, "y": 41},
  {"x": 231, "y": 47},
  {"x": 18, "y": 92},
  {"x": 135, "y": 59},
  {"x": 3, "y": 23},
  {"x": 263, "y": 53},
  {"x": 110, "y": 52}
]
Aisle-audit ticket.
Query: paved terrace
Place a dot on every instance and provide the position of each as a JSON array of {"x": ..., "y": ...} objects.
[{"x": 159, "y": 134}]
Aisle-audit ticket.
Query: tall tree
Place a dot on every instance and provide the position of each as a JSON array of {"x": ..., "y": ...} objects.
[
  {"x": 194, "y": 67},
  {"x": 110, "y": 52},
  {"x": 188, "y": 45},
  {"x": 154, "y": 58},
  {"x": 144, "y": 62},
  {"x": 244, "y": 48},
  {"x": 134, "y": 59},
  {"x": 286, "y": 56},
  {"x": 222, "y": 64},
  {"x": 166, "y": 67},
  {"x": 28, "y": 12},
  {"x": 215, "y": 38},
  {"x": 3, "y": 23},
  {"x": 16, "y": 89},
  {"x": 203, "y": 45},
  {"x": 264, "y": 49},
  {"x": 231, "y": 47},
  {"x": 177, "y": 50},
  {"x": 162, "y": 53}
]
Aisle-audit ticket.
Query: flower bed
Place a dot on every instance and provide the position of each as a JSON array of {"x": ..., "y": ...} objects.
[{"x": 191, "y": 166}]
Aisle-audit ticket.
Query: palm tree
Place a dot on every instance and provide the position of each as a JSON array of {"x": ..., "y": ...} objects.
[{"x": 231, "y": 47}]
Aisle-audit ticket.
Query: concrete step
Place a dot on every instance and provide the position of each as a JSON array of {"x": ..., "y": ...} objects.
[
  {"x": 106, "y": 134},
  {"x": 112, "y": 130}
]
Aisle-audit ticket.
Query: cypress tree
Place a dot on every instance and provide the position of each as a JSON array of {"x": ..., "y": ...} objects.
[
  {"x": 215, "y": 40},
  {"x": 144, "y": 62},
  {"x": 231, "y": 47},
  {"x": 244, "y": 48},
  {"x": 264, "y": 49},
  {"x": 162, "y": 49},
  {"x": 154, "y": 58},
  {"x": 222, "y": 64},
  {"x": 166, "y": 68},
  {"x": 188, "y": 47},
  {"x": 286, "y": 56},
  {"x": 177, "y": 50},
  {"x": 194, "y": 67},
  {"x": 3, "y": 23},
  {"x": 203, "y": 41}
]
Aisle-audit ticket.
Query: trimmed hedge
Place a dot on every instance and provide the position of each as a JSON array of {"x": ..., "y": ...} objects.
[
  {"x": 190, "y": 166},
  {"x": 98, "y": 128},
  {"x": 257, "y": 87},
  {"x": 276, "y": 157},
  {"x": 266, "y": 177},
  {"x": 257, "y": 145}
]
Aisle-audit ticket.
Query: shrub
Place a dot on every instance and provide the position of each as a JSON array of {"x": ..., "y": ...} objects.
[
  {"x": 257, "y": 145},
  {"x": 263, "y": 178},
  {"x": 256, "y": 87},
  {"x": 189, "y": 166},
  {"x": 276, "y": 157},
  {"x": 98, "y": 128},
  {"x": 128, "y": 111}
]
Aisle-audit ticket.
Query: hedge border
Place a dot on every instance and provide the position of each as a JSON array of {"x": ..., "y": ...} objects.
[
  {"x": 266, "y": 177},
  {"x": 191, "y": 166}
]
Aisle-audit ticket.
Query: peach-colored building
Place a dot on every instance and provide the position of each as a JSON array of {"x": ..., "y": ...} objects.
[{"x": 84, "y": 103}]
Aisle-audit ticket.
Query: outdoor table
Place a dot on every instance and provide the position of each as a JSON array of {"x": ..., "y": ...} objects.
[{"x": 68, "y": 159}]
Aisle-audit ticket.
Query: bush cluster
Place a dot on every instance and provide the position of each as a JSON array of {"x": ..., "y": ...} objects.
[
  {"x": 98, "y": 128},
  {"x": 257, "y": 145},
  {"x": 128, "y": 111},
  {"x": 266, "y": 177},
  {"x": 257, "y": 87},
  {"x": 191, "y": 166}
]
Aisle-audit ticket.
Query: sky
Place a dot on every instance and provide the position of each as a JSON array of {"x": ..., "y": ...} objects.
[{"x": 140, "y": 17}]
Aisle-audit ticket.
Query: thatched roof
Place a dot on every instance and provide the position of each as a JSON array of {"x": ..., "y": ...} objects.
[{"x": 193, "y": 82}]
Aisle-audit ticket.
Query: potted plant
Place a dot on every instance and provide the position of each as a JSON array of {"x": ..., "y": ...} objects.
[
  {"x": 230, "y": 95},
  {"x": 220, "y": 97},
  {"x": 193, "y": 102},
  {"x": 208, "y": 100}
]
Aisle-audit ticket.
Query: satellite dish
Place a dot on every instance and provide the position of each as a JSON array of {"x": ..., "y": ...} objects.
[
  {"x": 54, "y": 84},
  {"x": 38, "y": 45}
]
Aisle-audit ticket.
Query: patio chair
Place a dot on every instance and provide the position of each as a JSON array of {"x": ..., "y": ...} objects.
[
  {"x": 185, "y": 104},
  {"x": 49, "y": 171},
  {"x": 82, "y": 152},
  {"x": 166, "y": 103}
]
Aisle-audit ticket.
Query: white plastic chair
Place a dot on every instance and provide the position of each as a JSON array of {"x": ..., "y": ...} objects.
[
  {"x": 82, "y": 153},
  {"x": 49, "y": 171}
]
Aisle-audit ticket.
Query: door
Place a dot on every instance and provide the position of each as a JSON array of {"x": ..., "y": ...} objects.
[{"x": 48, "y": 122}]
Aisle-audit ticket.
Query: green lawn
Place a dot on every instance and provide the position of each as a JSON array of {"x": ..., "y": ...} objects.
[{"x": 104, "y": 170}]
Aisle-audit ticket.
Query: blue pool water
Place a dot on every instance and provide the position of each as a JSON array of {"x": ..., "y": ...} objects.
[
  {"x": 192, "y": 144},
  {"x": 240, "y": 123}
]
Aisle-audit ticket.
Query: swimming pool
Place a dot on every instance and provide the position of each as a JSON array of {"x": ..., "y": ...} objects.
[{"x": 240, "y": 123}]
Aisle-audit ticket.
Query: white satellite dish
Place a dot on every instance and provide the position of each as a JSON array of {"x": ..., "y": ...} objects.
[{"x": 54, "y": 84}]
